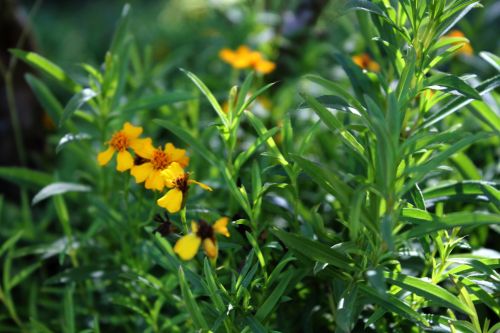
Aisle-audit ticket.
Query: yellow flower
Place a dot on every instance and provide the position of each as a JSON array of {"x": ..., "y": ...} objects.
[
  {"x": 264, "y": 66},
  {"x": 121, "y": 141},
  {"x": 201, "y": 233},
  {"x": 466, "y": 47},
  {"x": 153, "y": 161},
  {"x": 366, "y": 62},
  {"x": 244, "y": 57},
  {"x": 178, "y": 182}
]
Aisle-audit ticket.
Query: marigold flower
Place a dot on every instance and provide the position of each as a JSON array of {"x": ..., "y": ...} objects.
[
  {"x": 244, "y": 57},
  {"x": 154, "y": 161},
  {"x": 178, "y": 182},
  {"x": 201, "y": 233},
  {"x": 466, "y": 47},
  {"x": 121, "y": 141},
  {"x": 366, "y": 62}
]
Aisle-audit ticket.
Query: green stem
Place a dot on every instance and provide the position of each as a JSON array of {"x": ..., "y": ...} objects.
[{"x": 184, "y": 220}]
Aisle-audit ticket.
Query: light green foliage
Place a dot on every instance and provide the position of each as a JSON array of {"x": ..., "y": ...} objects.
[{"x": 357, "y": 200}]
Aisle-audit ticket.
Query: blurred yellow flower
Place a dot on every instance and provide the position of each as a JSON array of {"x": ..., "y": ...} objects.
[
  {"x": 201, "y": 233},
  {"x": 178, "y": 182},
  {"x": 121, "y": 141},
  {"x": 243, "y": 57},
  {"x": 366, "y": 62},
  {"x": 154, "y": 161},
  {"x": 466, "y": 48}
]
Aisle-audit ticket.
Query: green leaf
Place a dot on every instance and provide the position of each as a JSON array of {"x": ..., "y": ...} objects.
[
  {"x": 256, "y": 248},
  {"x": 247, "y": 153},
  {"x": 10, "y": 242},
  {"x": 46, "y": 66},
  {"x": 255, "y": 325},
  {"x": 212, "y": 287},
  {"x": 68, "y": 138},
  {"x": 355, "y": 212},
  {"x": 337, "y": 89},
  {"x": 69, "y": 310},
  {"x": 58, "y": 188},
  {"x": 461, "y": 101},
  {"x": 242, "y": 94},
  {"x": 465, "y": 166},
  {"x": 328, "y": 181},
  {"x": 452, "y": 83},
  {"x": 48, "y": 101},
  {"x": 420, "y": 171},
  {"x": 211, "y": 98},
  {"x": 464, "y": 190},
  {"x": 346, "y": 310},
  {"x": 189, "y": 140},
  {"x": 276, "y": 273},
  {"x": 76, "y": 102},
  {"x": 236, "y": 192},
  {"x": 156, "y": 101},
  {"x": 491, "y": 58},
  {"x": 23, "y": 274},
  {"x": 267, "y": 307},
  {"x": 191, "y": 304},
  {"x": 121, "y": 30},
  {"x": 480, "y": 294},
  {"x": 24, "y": 176},
  {"x": 427, "y": 290},
  {"x": 314, "y": 250},
  {"x": 486, "y": 114},
  {"x": 336, "y": 126},
  {"x": 363, "y": 5},
  {"x": 261, "y": 131},
  {"x": 453, "y": 220},
  {"x": 253, "y": 97},
  {"x": 393, "y": 304}
]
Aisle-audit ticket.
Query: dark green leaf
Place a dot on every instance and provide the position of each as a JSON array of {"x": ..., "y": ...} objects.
[{"x": 314, "y": 250}]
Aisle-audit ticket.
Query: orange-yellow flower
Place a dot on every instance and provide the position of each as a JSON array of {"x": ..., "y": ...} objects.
[
  {"x": 466, "y": 47},
  {"x": 243, "y": 57},
  {"x": 202, "y": 233},
  {"x": 153, "y": 161},
  {"x": 366, "y": 62},
  {"x": 178, "y": 182},
  {"x": 123, "y": 140}
]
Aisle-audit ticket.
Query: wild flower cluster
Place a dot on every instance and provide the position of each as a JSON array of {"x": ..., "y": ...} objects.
[{"x": 158, "y": 168}]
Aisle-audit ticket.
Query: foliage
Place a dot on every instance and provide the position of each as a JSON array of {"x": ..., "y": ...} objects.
[{"x": 367, "y": 207}]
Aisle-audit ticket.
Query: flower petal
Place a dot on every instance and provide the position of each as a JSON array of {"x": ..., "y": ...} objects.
[
  {"x": 220, "y": 226},
  {"x": 227, "y": 55},
  {"x": 264, "y": 66},
  {"x": 141, "y": 172},
  {"x": 173, "y": 172},
  {"x": 171, "y": 201},
  {"x": 155, "y": 181},
  {"x": 203, "y": 186},
  {"x": 104, "y": 157},
  {"x": 124, "y": 161},
  {"x": 142, "y": 147},
  {"x": 131, "y": 131},
  {"x": 194, "y": 227},
  {"x": 187, "y": 246},
  {"x": 169, "y": 148},
  {"x": 179, "y": 156},
  {"x": 210, "y": 247}
]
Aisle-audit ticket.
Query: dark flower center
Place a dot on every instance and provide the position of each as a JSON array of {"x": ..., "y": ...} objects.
[
  {"x": 182, "y": 183},
  {"x": 205, "y": 230}
]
